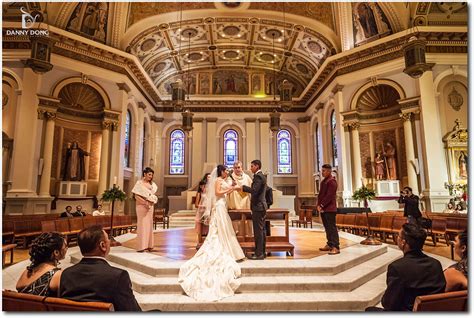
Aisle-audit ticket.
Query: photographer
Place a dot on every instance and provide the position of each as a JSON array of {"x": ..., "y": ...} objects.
[{"x": 411, "y": 209}]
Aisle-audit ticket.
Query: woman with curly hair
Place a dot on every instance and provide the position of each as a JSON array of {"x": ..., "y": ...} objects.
[
  {"x": 456, "y": 274},
  {"x": 42, "y": 276}
]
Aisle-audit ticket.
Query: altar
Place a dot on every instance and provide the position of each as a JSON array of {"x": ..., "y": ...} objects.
[{"x": 388, "y": 188}]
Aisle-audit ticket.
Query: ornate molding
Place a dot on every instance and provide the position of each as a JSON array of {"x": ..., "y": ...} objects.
[
  {"x": 111, "y": 119},
  {"x": 141, "y": 105},
  {"x": 156, "y": 119},
  {"x": 406, "y": 116},
  {"x": 47, "y": 107},
  {"x": 250, "y": 120},
  {"x": 124, "y": 87},
  {"x": 354, "y": 125},
  {"x": 304, "y": 119},
  {"x": 338, "y": 88}
]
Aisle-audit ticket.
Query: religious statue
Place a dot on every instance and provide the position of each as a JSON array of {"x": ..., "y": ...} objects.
[
  {"x": 390, "y": 156},
  {"x": 462, "y": 165},
  {"x": 379, "y": 166},
  {"x": 74, "y": 168}
]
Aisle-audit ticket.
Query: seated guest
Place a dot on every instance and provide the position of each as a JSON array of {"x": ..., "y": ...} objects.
[
  {"x": 98, "y": 211},
  {"x": 415, "y": 274},
  {"x": 456, "y": 274},
  {"x": 79, "y": 211},
  {"x": 93, "y": 279},
  {"x": 67, "y": 213},
  {"x": 449, "y": 208},
  {"x": 42, "y": 276}
]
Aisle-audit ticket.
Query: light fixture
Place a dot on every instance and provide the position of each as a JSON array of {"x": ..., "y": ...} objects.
[
  {"x": 177, "y": 88},
  {"x": 275, "y": 115},
  {"x": 286, "y": 96},
  {"x": 187, "y": 120},
  {"x": 415, "y": 60},
  {"x": 41, "y": 48}
]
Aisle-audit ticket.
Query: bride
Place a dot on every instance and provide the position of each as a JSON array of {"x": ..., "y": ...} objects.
[{"x": 212, "y": 273}]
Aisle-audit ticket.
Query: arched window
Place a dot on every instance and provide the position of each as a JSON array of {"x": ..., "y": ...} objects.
[
  {"x": 177, "y": 152},
  {"x": 284, "y": 152},
  {"x": 316, "y": 143},
  {"x": 231, "y": 147},
  {"x": 333, "y": 139},
  {"x": 128, "y": 132}
]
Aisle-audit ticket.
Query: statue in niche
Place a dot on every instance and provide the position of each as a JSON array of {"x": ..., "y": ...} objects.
[
  {"x": 74, "y": 167},
  {"x": 382, "y": 27},
  {"x": 462, "y": 165},
  {"x": 379, "y": 167},
  {"x": 390, "y": 155}
]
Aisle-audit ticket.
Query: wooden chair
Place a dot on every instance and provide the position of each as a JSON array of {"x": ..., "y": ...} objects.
[
  {"x": 89, "y": 221},
  {"x": 25, "y": 231},
  {"x": 62, "y": 226},
  {"x": 13, "y": 301},
  {"x": 48, "y": 226},
  {"x": 454, "y": 226},
  {"x": 360, "y": 226},
  {"x": 160, "y": 216},
  {"x": 386, "y": 222},
  {"x": 5, "y": 249},
  {"x": 350, "y": 222},
  {"x": 305, "y": 217},
  {"x": 438, "y": 228},
  {"x": 397, "y": 224},
  {"x": 451, "y": 301}
]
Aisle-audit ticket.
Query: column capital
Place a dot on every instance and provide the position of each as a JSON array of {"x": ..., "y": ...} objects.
[
  {"x": 406, "y": 116},
  {"x": 338, "y": 88},
  {"x": 124, "y": 87},
  {"x": 46, "y": 114},
  {"x": 47, "y": 107},
  {"x": 304, "y": 119},
  {"x": 156, "y": 119},
  {"x": 354, "y": 125},
  {"x": 111, "y": 119}
]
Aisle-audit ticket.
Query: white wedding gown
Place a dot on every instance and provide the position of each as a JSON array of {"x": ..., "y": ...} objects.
[{"x": 212, "y": 273}]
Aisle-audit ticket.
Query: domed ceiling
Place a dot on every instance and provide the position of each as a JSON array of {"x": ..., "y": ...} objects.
[{"x": 233, "y": 48}]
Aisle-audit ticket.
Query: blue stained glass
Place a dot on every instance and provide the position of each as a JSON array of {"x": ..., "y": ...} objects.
[
  {"x": 231, "y": 147},
  {"x": 126, "y": 152},
  {"x": 177, "y": 152},
  {"x": 284, "y": 152}
]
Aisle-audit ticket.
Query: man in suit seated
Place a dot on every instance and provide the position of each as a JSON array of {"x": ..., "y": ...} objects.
[
  {"x": 93, "y": 279},
  {"x": 415, "y": 274},
  {"x": 67, "y": 213},
  {"x": 79, "y": 211}
]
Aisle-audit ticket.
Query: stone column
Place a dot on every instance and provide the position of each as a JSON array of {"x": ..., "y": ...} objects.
[
  {"x": 211, "y": 150},
  {"x": 104, "y": 158},
  {"x": 266, "y": 153},
  {"x": 304, "y": 158},
  {"x": 434, "y": 159},
  {"x": 410, "y": 151},
  {"x": 45, "y": 182},
  {"x": 197, "y": 161},
  {"x": 357, "y": 168},
  {"x": 250, "y": 145}
]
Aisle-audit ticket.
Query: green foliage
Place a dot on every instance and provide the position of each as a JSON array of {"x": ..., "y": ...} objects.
[
  {"x": 113, "y": 193},
  {"x": 363, "y": 194},
  {"x": 456, "y": 188}
]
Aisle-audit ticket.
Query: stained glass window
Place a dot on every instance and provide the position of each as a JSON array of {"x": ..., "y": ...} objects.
[
  {"x": 128, "y": 131},
  {"x": 231, "y": 147},
  {"x": 333, "y": 139},
  {"x": 284, "y": 152},
  {"x": 177, "y": 152}
]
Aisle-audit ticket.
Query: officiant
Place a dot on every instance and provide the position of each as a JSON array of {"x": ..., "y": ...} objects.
[{"x": 239, "y": 199}]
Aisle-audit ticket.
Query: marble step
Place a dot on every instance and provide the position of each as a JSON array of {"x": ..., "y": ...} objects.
[
  {"x": 344, "y": 281},
  {"x": 159, "y": 266},
  {"x": 368, "y": 294}
]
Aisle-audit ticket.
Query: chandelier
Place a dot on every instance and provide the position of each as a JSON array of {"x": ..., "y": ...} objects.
[{"x": 415, "y": 61}]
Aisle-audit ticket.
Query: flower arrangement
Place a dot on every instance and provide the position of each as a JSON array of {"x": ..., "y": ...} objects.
[
  {"x": 456, "y": 188},
  {"x": 113, "y": 194},
  {"x": 363, "y": 194}
]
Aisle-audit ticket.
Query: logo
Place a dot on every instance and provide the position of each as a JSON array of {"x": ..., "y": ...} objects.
[{"x": 27, "y": 20}]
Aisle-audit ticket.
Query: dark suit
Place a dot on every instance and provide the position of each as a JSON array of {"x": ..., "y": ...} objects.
[
  {"x": 327, "y": 202},
  {"x": 411, "y": 206},
  {"x": 67, "y": 214},
  {"x": 258, "y": 205},
  {"x": 413, "y": 275},
  {"x": 79, "y": 213},
  {"x": 93, "y": 279}
]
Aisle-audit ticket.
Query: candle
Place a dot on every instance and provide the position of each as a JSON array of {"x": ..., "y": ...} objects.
[{"x": 115, "y": 180}]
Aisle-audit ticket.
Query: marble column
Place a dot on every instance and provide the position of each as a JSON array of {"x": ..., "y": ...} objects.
[
  {"x": 212, "y": 141},
  {"x": 434, "y": 160},
  {"x": 45, "y": 181},
  {"x": 410, "y": 151},
  {"x": 357, "y": 168},
  {"x": 104, "y": 158}
]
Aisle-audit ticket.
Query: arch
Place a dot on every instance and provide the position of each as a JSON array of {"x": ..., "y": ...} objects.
[
  {"x": 19, "y": 82},
  {"x": 77, "y": 79},
  {"x": 394, "y": 15},
  {"x": 170, "y": 126},
  {"x": 128, "y": 139},
  {"x": 364, "y": 87},
  {"x": 64, "y": 15},
  {"x": 133, "y": 107},
  {"x": 294, "y": 128},
  {"x": 230, "y": 124},
  {"x": 450, "y": 71},
  {"x": 231, "y": 147}
]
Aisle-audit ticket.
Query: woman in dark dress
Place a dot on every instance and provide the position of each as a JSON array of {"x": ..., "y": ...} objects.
[
  {"x": 456, "y": 274},
  {"x": 42, "y": 276}
]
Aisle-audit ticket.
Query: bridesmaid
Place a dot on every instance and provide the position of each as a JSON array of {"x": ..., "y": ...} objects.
[{"x": 144, "y": 193}]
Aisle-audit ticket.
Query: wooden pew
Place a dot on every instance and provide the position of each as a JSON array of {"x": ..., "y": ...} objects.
[
  {"x": 13, "y": 301},
  {"x": 451, "y": 301}
]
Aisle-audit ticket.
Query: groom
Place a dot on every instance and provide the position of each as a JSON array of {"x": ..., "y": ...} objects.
[{"x": 258, "y": 205}]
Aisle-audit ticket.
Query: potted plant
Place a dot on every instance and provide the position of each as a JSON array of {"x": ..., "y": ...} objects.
[
  {"x": 365, "y": 194},
  {"x": 111, "y": 195}
]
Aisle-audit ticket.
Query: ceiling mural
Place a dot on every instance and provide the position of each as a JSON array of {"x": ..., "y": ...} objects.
[
  {"x": 203, "y": 45},
  {"x": 90, "y": 20},
  {"x": 370, "y": 23}
]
